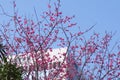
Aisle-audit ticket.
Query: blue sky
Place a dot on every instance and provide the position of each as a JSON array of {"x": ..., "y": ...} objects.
[{"x": 106, "y": 13}]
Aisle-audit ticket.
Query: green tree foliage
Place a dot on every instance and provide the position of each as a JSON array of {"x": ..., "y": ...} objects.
[{"x": 8, "y": 70}]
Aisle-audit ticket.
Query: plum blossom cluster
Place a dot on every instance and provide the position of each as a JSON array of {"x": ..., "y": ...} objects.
[{"x": 88, "y": 58}]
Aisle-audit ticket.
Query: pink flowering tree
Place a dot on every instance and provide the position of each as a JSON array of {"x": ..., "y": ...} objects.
[{"x": 33, "y": 41}]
